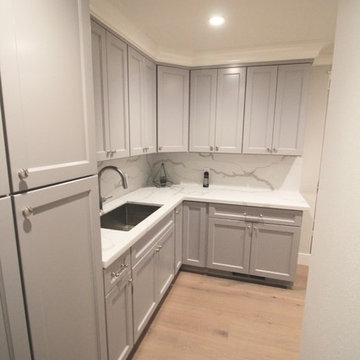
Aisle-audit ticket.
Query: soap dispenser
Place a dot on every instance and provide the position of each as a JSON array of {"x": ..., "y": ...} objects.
[{"x": 206, "y": 178}]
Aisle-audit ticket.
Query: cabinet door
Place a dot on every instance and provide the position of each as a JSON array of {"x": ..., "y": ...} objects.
[
  {"x": 274, "y": 251},
  {"x": 14, "y": 343},
  {"x": 194, "y": 233},
  {"x": 59, "y": 238},
  {"x": 98, "y": 42},
  {"x": 229, "y": 245},
  {"x": 166, "y": 259},
  {"x": 116, "y": 51},
  {"x": 259, "y": 109},
  {"x": 46, "y": 75},
  {"x": 119, "y": 320},
  {"x": 202, "y": 110},
  {"x": 178, "y": 238},
  {"x": 144, "y": 291},
  {"x": 291, "y": 98},
  {"x": 136, "y": 101},
  {"x": 230, "y": 110},
  {"x": 173, "y": 109},
  {"x": 149, "y": 106},
  {"x": 4, "y": 179}
]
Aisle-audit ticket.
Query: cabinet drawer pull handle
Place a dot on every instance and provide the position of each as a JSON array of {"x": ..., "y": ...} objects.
[
  {"x": 160, "y": 148},
  {"x": 27, "y": 212},
  {"x": 211, "y": 148},
  {"x": 274, "y": 150},
  {"x": 130, "y": 281},
  {"x": 268, "y": 149},
  {"x": 23, "y": 174},
  {"x": 216, "y": 148}
]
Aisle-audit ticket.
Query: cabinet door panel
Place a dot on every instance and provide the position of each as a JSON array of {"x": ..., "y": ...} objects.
[
  {"x": 98, "y": 42},
  {"x": 14, "y": 343},
  {"x": 47, "y": 85},
  {"x": 61, "y": 261},
  {"x": 290, "y": 114},
  {"x": 135, "y": 101},
  {"x": 229, "y": 245},
  {"x": 144, "y": 292},
  {"x": 166, "y": 258},
  {"x": 259, "y": 109},
  {"x": 178, "y": 238},
  {"x": 119, "y": 320},
  {"x": 194, "y": 233},
  {"x": 149, "y": 106},
  {"x": 116, "y": 51},
  {"x": 202, "y": 110},
  {"x": 230, "y": 110},
  {"x": 274, "y": 251},
  {"x": 4, "y": 180},
  {"x": 173, "y": 109}
]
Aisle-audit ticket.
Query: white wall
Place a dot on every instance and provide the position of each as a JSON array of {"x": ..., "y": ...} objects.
[
  {"x": 331, "y": 328},
  {"x": 311, "y": 159}
]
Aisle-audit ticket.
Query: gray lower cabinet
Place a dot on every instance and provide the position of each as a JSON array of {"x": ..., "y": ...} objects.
[
  {"x": 274, "y": 251},
  {"x": 253, "y": 240},
  {"x": 144, "y": 291},
  {"x": 14, "y": 342},
  {"x": 178, "y": 237},
  {"x": 165, "y": 266},
  {"x": 229, "y": 245},
  {"x": 60, "y": 252},
  {"x": 119, "y": 320},
  {"x": 152, "y": 276},
  {"x": 194, "y": 233}
]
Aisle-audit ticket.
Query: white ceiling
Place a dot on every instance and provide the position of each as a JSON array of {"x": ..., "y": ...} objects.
[{"x": 179, "y": 29}]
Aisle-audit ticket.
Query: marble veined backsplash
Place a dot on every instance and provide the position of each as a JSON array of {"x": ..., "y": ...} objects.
[
  {"x": 256, "y": 171},
  {"x": 137, "y": 168}
]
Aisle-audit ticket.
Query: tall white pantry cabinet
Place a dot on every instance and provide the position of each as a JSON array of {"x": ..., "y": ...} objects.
[{"x": 52, "y": 207}]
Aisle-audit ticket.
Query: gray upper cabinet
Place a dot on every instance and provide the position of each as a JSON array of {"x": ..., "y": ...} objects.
[
  {"x": 60, "y": 251},
  {"x": 47, "y": 90},
  {"x": 275, "y": 109},
  {"x": 178, "y": 237},
  {"x": 4, "y": 179},
  {"x": 111, "y": 94},
  {"x": 142, "y": 102},
  {"x": 274, "y": 251},
  {"x": 229, "y": 245},
  {"x": 119, "y": 320},
  {"x": 202, "y": 110},
  {"x": 230, "y": 110},
  {"x": 259, "y": 109},
  {"x": 194, "y": 233},
  {"x": 14, "y": 343},
  {"x": 217, "y": 110},
  {"x": 291, "y": 98},
  {"x": 173, "y": 109}
]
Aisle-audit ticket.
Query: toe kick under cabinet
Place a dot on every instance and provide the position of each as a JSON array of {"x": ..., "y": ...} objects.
[{"x": 252, "y": 240}]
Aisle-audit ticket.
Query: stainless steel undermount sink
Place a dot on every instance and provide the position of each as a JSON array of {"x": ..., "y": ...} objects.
[{"x": 126, "y": 216}]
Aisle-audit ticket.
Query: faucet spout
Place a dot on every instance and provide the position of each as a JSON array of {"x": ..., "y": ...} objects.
[{"x": 119, "y": 171}]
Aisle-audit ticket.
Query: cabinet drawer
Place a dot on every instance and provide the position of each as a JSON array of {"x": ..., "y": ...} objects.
[
  {"x": 141, "y": 248},
  {"x": 256, "y": 214},
  {"x": 116, "y": 271}
]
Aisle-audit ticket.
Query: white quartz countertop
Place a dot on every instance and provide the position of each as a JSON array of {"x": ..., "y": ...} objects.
[{"x": 115, "y": 242}]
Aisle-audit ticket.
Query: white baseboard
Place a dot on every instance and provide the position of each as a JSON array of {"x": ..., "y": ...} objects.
[{"x": 304, "y": 259}]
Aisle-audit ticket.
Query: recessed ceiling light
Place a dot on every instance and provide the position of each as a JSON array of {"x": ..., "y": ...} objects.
[{"x": 216, "y": 20}]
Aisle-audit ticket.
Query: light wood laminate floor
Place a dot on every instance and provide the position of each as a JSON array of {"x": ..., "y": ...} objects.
[{"x": 205, "y": 317}]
